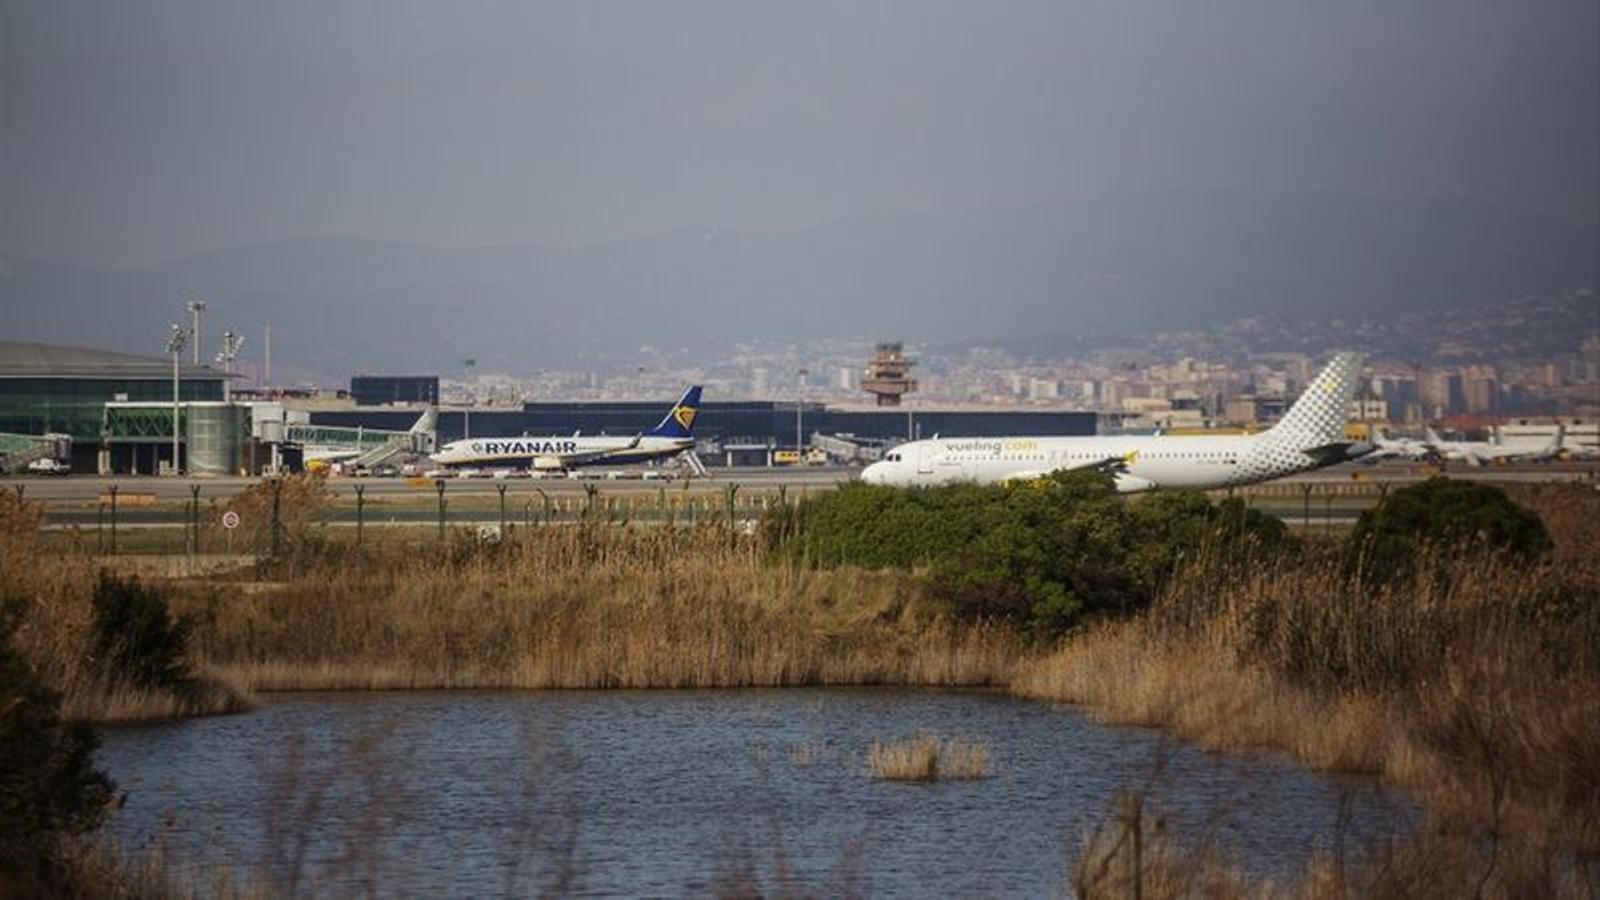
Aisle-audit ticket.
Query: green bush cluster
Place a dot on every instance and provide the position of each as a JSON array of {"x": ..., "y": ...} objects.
[
  {"x": 49, "y": 787},
  {"x": 1437, "y": 519},
  {"x": 136, "y": 639},
  {"x": 1039, "y": 554}
]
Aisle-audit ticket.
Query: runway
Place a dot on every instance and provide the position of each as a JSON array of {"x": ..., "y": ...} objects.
[{"x": 88, "y": 488}]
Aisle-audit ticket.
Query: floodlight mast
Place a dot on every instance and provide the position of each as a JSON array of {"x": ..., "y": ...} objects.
[
  {"x": 175, "y": 347},
  {"x": 799, "y": 415},
  {"x": 230, "y": 351},
  {"x": 472, "y": 396},
  {"x": 196, "y": 307}
]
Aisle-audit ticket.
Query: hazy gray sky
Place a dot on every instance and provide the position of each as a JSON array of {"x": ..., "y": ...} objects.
[{"x": 137, "y": 131}]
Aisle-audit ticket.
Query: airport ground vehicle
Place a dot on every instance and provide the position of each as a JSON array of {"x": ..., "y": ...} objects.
[{"x": 48, "y": 466}]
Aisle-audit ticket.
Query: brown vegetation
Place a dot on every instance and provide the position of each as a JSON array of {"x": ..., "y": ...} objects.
[
  {"x": 928, "y": 758},
  {"x": 591, "y": 605},
  {"x": 584, "y": 607},
  {"x": 54, "y": 633},
  {"x": 1473, "y": 684}
]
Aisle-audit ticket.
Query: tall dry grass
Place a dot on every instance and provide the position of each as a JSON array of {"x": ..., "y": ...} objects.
[
  {"x": 593, "y": 605},
  {"x": 582, "y": 607},
  {"x": 1474, "y": 684},
  {"x": 929, "y": 758},
  {"x": 55, "y": 633}
]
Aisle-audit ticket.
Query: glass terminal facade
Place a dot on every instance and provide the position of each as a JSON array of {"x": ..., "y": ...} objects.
[{"x": 75, "y": 405}]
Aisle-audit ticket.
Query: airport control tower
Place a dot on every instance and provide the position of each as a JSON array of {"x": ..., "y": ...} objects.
[{"x": 887, "y": 374}]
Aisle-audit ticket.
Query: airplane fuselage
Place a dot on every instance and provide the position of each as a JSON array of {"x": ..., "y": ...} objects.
[
  {"x": 552, "y": 452},
  {"x": 1145, "y": 462}
]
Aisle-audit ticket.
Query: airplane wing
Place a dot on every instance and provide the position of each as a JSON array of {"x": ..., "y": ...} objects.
[
  {"x": 1111, "y": 465},
  {"x": 1338, "y": 451}
]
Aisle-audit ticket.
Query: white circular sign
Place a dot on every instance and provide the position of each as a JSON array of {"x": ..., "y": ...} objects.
[{"x": 230, "y": 519}]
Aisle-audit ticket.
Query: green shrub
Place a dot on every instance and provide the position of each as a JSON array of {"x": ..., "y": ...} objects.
[
  {"x": 1039, "y": 554},
  {"x": 136, "y": 639},
  {"x": 1177, "y": 530},
  {"x": 1437, "y": 518},
  {"x": 49, "y": 787}
]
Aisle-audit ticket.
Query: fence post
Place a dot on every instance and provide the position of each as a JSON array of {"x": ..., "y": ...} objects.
[
  {"x": 438, "y": 484},
  {"x": 732, "y": 490},
  {"x": 361, "y": 503},
  {"x": 194, "y": 523},
  {"x": 277, "y": 519},
  {"x": 114, "y": 520},
  {"x": 502, "y": 488},
  {"x": 546, "y": 499},
  {"x": 1305, "y": 512}
]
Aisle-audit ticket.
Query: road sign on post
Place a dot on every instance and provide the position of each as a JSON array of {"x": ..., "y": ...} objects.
[{"x": 230, "y": 521}]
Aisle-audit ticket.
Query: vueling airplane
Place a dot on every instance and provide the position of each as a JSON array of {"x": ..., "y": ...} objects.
[
  {"x": 672, "y": 437},
  {"x": 1310, "y": 436}
]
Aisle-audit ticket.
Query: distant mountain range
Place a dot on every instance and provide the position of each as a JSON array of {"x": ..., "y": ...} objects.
[
  {"x": 1112, "y": 264},
  {"x": 1525, "y": 328}
]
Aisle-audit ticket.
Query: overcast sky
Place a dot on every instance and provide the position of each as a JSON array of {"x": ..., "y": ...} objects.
[{"x": 140, "y": 131}]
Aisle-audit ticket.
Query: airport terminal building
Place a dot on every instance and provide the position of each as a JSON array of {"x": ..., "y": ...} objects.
[
  {"x": 742, "y": 432},
  {"x": 117, "y": 411},
  {"x": 47, "y": 389}
]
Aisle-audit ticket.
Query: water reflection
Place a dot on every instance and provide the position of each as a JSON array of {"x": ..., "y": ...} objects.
[{"x": 675, "y": 792}]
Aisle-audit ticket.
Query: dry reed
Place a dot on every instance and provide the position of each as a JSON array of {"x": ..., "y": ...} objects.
[
  {"x": 928, "y": 758},
  {"x": 593, "y": 605},
  {"x": 581, "y": 607},
  {"x": 56, "y": 620},
  {"x": 1474, "y": 685}
]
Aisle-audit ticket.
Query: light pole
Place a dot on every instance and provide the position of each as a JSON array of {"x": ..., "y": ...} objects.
[
  {"x": 466, "y": 408},
  {"x": 196, "y": 307},
  {"x": 230, "y": 351},
  {"x": 799, "y": 411},
  {"x": 175, "y": 346}
]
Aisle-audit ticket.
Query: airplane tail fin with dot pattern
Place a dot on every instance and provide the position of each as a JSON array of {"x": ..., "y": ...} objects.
[{"x": 1317, "y": 418}]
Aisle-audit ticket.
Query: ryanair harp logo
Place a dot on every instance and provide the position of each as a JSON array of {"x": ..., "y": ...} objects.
[{"x": 684, "y": 415}]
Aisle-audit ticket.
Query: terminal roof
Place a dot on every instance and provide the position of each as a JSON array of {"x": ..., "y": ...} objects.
[{"x": 22, "y": 360}]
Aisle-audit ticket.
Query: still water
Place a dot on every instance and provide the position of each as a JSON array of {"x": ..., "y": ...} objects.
[{"x": 688, "y": 792}]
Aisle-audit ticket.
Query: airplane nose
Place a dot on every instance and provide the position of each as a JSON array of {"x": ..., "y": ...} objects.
[{"x": 873, "y": 474}]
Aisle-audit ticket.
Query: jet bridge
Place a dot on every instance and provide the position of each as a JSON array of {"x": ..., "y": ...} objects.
[{"x": 18, "y": 450}]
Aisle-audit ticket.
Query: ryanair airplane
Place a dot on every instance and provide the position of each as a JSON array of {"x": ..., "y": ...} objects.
[
  {"x": 1310, "y": 436},
  {"x": 672, "y": 437}
]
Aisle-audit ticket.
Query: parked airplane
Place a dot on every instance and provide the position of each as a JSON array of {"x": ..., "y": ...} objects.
[
  {"x": 669, "y": 439},
  {"x": 317, "y": 456},
  {"x": 1479, "y": 453},
  {"x": 1385, "y": 447},
  {"x": 1310, "y": 436}
]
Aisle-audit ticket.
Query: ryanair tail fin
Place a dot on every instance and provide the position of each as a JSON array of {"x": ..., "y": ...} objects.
[
  {"x": 679, "y": 422},
  {"x": 1318, "y": 417}
]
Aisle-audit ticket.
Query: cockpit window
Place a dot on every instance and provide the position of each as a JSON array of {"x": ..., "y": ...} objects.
[{"x": 894, "y": 457}]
